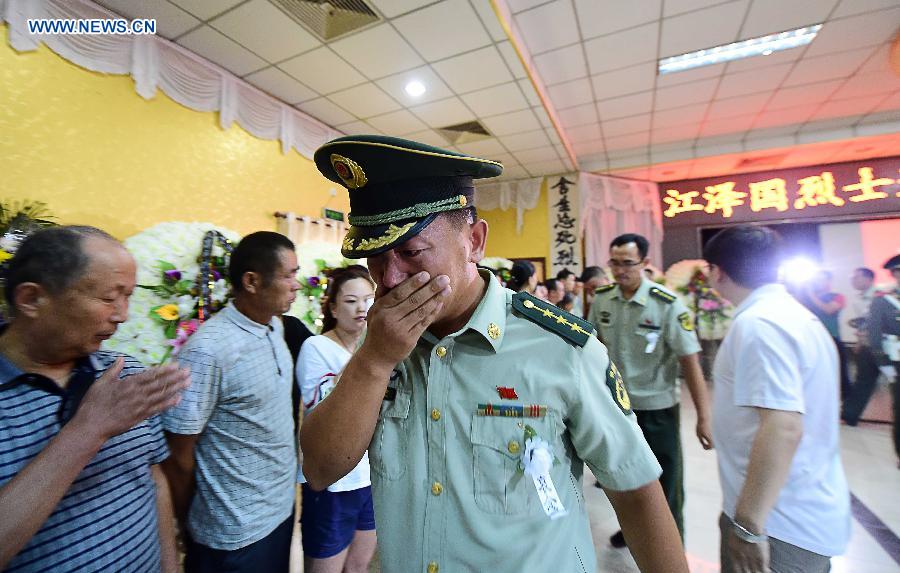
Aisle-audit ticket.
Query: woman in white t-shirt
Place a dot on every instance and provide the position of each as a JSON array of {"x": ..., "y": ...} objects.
[{"x": 338, "y": 524}]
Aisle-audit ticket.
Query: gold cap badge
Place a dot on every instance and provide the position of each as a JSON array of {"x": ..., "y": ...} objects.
[{"x": 349, "y": 171}]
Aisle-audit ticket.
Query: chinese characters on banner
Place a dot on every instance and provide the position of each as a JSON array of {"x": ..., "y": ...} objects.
[
  {"x": 565, "y": 235},
  {"x": 812, "y": 191}
]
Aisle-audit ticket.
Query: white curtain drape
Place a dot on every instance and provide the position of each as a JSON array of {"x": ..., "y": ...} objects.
[
  {"x": 155, "y": 63},
  {"x": 522, "y": 195},
  {"x": 611, "y": 206},
  {"x": 305, "y": 230}
]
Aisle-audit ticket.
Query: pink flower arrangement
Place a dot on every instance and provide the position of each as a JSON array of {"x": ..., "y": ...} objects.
[
  {"x": 713, "y": 312},
  {"x": 184, "y": 331}
]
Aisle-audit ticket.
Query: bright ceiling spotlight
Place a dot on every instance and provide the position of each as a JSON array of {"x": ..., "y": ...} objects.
[
  {"x": 761, "y": 46},
  {"x": 415, "y": 88}
]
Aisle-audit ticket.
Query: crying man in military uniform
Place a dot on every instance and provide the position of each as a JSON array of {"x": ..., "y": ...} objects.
[
  {"x": 650, "y": 333},
  {"x": 479, "y": 407}
]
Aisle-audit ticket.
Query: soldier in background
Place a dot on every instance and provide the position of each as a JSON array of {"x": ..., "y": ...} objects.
[
  {"x": 883, "y": 330},
  {"x": 593, "y": 278},
  {"x": 861, "y": 390},
  {"x": 650, "y": 333}
]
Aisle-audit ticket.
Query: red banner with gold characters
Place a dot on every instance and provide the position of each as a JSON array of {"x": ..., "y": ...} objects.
[{"x": 856, "y": 188}]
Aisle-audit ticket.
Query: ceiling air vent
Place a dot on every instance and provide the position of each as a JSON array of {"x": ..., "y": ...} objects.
[
  {"x": 761, "y": 161},
  {"x": 329, "y": 19},
  {"x": 464, "y": 132}
]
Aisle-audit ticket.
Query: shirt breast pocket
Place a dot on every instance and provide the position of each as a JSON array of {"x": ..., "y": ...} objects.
[
  {"x": 387, "y": 452},
  {"x": 497, "y": 445}
]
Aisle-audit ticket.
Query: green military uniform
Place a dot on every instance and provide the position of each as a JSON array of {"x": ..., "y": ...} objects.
[
  {"x": 883, "y": 330},
  {"x": 448, "y": 490},
  {"x": 465, "y": 417},
  {"x": 645, "y": 336}
]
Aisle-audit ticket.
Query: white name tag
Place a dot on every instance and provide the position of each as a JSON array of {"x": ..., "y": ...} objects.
[
  {"x": 537, "y": 461},
  {"x": 652, "y": 338}
]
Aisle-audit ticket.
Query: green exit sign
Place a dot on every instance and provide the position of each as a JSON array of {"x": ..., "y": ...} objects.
[{"x": 333, "y": 214}]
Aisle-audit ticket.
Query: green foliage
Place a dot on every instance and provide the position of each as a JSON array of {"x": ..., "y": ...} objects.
[{"x": 26, "y": 216}]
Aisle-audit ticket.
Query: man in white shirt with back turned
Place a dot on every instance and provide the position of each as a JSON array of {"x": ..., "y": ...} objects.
[{"x": 775, "y": 418}]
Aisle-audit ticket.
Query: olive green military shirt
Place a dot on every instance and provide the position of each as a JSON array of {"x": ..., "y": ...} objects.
[
  {"x": 883, "y": 321},
  {"x": 645, "y": 336},
  {"x": 449, "y": 494}
]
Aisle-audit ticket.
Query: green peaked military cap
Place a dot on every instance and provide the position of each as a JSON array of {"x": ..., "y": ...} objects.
[{"x": 397, "y": 187}]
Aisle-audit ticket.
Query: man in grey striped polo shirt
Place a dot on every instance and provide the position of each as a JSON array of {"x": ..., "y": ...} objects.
[
  {"x": 234, "y": 461},
  {"x": 79, "y": 440}
]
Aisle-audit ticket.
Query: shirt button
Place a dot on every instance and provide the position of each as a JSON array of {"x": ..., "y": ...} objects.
[
  {"x": 441, "y": 351},
  {"x": 513, "y": 447},
  {"x": 437, "y": 488},
  {"x": 435, "y": 414},
  {"x": 433, "y": 567}
]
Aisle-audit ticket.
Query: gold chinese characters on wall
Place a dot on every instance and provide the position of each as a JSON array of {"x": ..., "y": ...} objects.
[{"x": 781, "y": 192}]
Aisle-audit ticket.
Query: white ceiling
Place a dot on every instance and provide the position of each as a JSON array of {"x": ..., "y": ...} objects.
[
  {"x": 594, "y": 59},
  {"x": 732, "y": 162}
]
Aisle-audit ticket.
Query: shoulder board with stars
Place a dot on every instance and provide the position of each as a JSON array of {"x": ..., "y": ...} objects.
[
  {"x": 662, "y": 295},
  {"x": 552, "y": 318},
  {"x": 605, "y": 288}
]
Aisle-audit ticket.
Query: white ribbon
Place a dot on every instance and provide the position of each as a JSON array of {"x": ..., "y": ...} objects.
[
  {"x": 652, "y": 338},
  {"x": 537, "y": 461}
]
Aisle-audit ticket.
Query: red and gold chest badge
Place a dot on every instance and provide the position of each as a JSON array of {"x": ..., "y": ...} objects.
[{"x": 507, "y": 393}]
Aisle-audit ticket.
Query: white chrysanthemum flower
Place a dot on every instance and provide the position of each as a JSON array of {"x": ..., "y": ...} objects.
[
  {"x": 679, "y": 275},
  {"x": 220, "y": 291},
  {"x": 179, "y": 244},
  {"x": 496, "y": 263},
  {"x": 186, "y": 305},
  {"x": 307, "y": 254}
]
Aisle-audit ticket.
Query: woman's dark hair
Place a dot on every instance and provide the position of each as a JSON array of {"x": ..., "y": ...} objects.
[
  {"x": 336, "y": 280},
  {"x": 258, "y": 252},
  {"x": 519, "y": 275}
]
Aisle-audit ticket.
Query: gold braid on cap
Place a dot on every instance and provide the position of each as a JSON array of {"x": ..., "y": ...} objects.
[
  {"x": 417, "y": 211},
  {"x": 392, "y": 233}
]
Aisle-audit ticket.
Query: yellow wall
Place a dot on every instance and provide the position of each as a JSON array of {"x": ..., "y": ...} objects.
[
  {"x": 97, "y": 153},
  {"x": 503, "y": 240}
]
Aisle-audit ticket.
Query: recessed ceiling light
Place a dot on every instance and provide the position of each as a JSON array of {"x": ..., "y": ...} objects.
[
  {"x": 763, "y": 45},
  {"x": 415, "y": 88}
]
